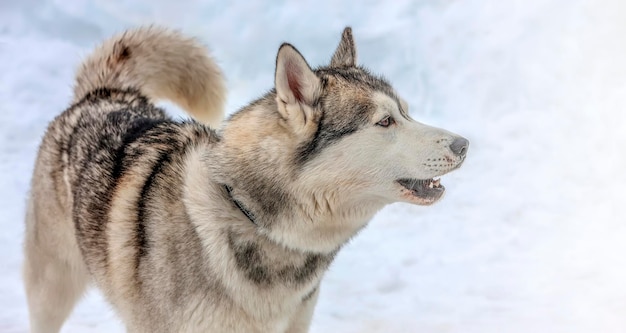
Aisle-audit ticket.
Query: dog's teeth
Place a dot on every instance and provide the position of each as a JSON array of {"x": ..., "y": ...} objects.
[
  {"x": 431, "y": 184},
  {"x": 437, "y": 182}
]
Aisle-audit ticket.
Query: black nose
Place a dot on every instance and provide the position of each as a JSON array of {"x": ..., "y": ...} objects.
[{"x": 459, "y": 146}]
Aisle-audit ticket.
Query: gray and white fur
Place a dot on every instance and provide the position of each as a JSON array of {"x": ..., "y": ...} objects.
[{"x": 186, "y": 229}]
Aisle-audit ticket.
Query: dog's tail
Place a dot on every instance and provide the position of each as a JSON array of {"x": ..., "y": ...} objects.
[{"x": 161, "y": 64}]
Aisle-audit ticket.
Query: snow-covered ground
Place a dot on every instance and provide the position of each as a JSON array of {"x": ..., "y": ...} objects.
[{"x": 531, "y": 236}]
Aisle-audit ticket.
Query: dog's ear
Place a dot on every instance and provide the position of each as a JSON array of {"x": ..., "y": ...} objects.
[
  {"x": 294, "y": 80},
  {"x": 345, "y": 55}
]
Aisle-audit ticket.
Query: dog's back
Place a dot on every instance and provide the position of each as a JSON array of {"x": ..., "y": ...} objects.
[{"x": 111, "y": 129}]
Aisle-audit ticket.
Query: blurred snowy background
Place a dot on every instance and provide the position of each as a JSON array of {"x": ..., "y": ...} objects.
[{"x": 531, "y": 236}]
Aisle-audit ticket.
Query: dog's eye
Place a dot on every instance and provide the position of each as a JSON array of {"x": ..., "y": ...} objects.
[{"x": 386, "y": 122}]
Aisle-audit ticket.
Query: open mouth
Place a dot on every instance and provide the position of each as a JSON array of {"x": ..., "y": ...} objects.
[{"x": 429, "y": 190}]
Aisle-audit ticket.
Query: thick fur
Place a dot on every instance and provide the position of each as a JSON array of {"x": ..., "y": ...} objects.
[{"x": 188, "y": 230}]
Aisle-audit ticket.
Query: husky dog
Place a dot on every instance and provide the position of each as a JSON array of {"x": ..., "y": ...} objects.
[{"x": 189, "y": 229}]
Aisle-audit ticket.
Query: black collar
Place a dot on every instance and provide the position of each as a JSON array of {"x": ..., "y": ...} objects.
[{"x": 239, "y": 205}]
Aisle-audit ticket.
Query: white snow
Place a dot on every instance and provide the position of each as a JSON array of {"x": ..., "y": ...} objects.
[{"x": 531, "y": 236}]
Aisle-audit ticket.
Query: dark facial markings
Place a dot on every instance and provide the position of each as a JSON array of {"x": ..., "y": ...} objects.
[
  {"x": 346, "y": 106},
  {"x": 327, "y": 133}
]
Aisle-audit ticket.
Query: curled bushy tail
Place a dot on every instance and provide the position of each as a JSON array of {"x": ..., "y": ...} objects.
[{"x": 161, "y": 64}]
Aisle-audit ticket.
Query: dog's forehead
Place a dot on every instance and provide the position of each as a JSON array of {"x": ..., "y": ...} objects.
[
  {"x": 356, "y": 87},
  {"x": 348, "y": 103},
  {"x": 357, "y": 77},
  {"x": 384, "y": 102}
]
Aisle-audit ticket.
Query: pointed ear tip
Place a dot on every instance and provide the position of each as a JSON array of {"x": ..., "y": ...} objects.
[
  {"x": 285, "y": 46},
  {"x": 286, "y": 50},
  {"x": 288, "y": 54},
  {"x": 347, "y": 31}
]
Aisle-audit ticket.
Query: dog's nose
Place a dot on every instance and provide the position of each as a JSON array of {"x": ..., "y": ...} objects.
[{"x": 459, "y": 146}]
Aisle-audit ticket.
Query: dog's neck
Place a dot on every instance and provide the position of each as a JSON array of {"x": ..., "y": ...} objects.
[
  {"x": 312, "y": 223},
  {"x": 245, "y": 211}
]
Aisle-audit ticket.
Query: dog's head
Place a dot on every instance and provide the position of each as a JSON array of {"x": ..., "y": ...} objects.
[
  {"x": 355, "y": 131},
  {"x": 331, "y": 146}
]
